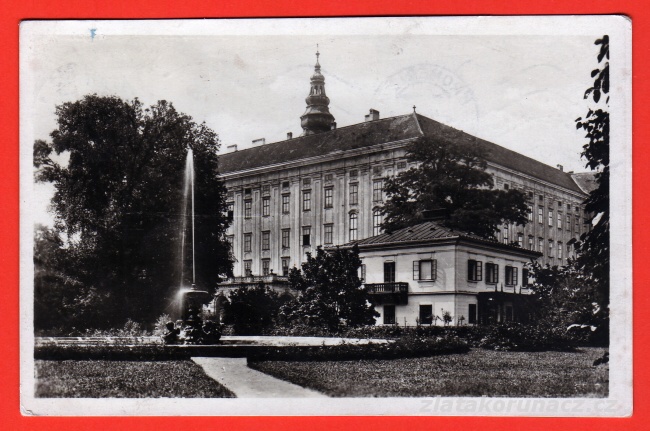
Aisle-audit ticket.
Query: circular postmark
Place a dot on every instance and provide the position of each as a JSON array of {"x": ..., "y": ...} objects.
[{"x": 436, "y": 91}]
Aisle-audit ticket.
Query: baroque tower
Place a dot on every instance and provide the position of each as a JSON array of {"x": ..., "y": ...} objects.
[{"x": 317, "y": 117}]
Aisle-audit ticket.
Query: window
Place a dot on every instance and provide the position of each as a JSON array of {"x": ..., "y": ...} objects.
[
  {"x": 354, "y": 194},
  {"x": 327, "y": 233},
  {"x": 362, "y": 272},
  {"x": 541, "y": 198},
  {"x": 354, "y": 217},
  {"x": 550, "y": 217},
  {"x": 505, "y": 235},
  {"x": 540, "y": 245},
  {"x": 328, "y": 178},
  {"x": 248, "y": 205},
  {"x": 306, "y": 182},
  {"x": 506, "y": 187},
  {"x": 577, "y": 225},
  {"x": 285, "y": 266},
  {"x": 559, "y": 250},
  {"x": 389, "y": 272},
  {"x": 425, "y": 269},
  {"x": 329, "y": 197},
  {"x": 285, "y": 185},
  {"x": 525, "y": 277},
  {"x": 230, "y": 196},
  {"x": 531, "y": 243},
  {"x": 511, "y": 275},
  {"x": 354, "y": 173},
  {"x": 266, "y": 189},
  {"x": 266, "y": 265},
  {"x": 266, "y": 240},
  {"x": 376, "y": 170},
  {"x": 285, "y": 204},
  {"x": 377, "y": 190},
  {"x": 568, "y": 250},
  {"x": 559, "y": 220},
  {"x": 401, "y": 165},
  {"x": 568, "y": 221},
  {"x": 266, "y": 206},
  {"x": 231, "y": 240},
  {"x": 520, "y": 240},
  {"x": 247, "y": 268},
  {"x": 540, "y": 215},
  {"x": 491, "y": 273},
  {"x": 230, "y": 211},
  {"x": 306, "y": 235},
  {"x": 389, "y": 314},
  {"x": 550, "y": 248},
  {"x": 247, "y": 191},
  {"x": 377, "y": 219},
  {"x": 426, "y": 314},
  {"x": 306, "y": 200},
  {"x": 285, "y": 238},
  {"x": 530, "y": 213},
  {"x": 474, "y": 270},
  {"x": 472, "y": 313}
]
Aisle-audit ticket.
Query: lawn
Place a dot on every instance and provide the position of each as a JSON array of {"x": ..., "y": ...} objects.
[
  {"x": 478, "y": 373},
  {"x": 125, "y": 379}
]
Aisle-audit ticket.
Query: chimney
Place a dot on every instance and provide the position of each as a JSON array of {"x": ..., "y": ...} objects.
[
  {"x": 560, "y": 167},
  {"x": 373, "y": 115},
  {"x": 289, "y": 135},
  {"x": 333, "y": 125},
  {"x": 232, "y": 148},
  {"x": 258, "y": 142}
]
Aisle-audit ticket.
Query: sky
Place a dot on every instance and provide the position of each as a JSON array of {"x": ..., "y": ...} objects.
[{"x": 248, "y": 80}]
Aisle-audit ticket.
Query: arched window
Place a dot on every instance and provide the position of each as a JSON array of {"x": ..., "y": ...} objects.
[
  {"x": 377, "y": 219},
  {"x": 354, "y": 227}
]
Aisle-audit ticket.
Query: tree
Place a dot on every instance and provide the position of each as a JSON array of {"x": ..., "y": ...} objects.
[
  {"x": 118, "y": 203},
  {"x": 331, "y": 293},
  {"x": 593, "y": 251},
  {"x": 252, "y": 309},
  {"x": 450, "y": 176}
]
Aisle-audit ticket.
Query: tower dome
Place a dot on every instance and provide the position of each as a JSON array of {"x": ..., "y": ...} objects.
[{"x": 317, "y": 117}]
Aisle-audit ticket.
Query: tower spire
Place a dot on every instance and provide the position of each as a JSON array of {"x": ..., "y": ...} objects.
[{"x": 317, "y": 117}]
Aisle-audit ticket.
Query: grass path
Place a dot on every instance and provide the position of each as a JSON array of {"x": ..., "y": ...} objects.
[
  {"x": 478, "y": 373},
  {"x": 125, "y": 379}
]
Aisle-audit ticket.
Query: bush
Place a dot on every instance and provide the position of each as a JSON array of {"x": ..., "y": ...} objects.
[
  {"x": 520, "y": 337},
  {"x": 251, "y": 310},
  {"x": 407, "y": 347}
]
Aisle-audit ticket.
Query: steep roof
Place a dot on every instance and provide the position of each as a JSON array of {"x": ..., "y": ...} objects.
[
  {"x": 341, "y": 139},
  {"x": 382, "y": 132},
  {"x": 586, "y": 181},
  {"x": 429, "y": 231}
]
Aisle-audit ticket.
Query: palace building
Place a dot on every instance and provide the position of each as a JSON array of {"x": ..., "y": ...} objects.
[{"x": 325, "y": 187}]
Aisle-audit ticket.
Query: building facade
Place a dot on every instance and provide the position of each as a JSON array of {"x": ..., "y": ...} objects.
[
  {"x": 425, "y": 273},
  {"x": 326, "y": 187}
]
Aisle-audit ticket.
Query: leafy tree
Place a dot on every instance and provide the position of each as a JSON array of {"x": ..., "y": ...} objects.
[
  {"x": 118, "y": 204},
  {"x": 450, "y": 176},
  {"x": 593, "y": 250},
  {"x": 252, "y": 309},
  {"x": 331, "y": 293},
  {"x": 578, "y": 293}
]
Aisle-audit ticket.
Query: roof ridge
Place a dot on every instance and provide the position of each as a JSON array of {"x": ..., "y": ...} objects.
[{"x": 333, "y": 130}]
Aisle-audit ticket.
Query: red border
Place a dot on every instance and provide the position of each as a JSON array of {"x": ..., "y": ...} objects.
[{"x": 10, "y": 18}]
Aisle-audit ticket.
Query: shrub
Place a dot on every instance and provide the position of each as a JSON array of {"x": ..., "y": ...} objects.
[
  {"x": 407, "y": 347},
  {"x": 252, "y": 309},
  {"x": 520, "y": 337}
]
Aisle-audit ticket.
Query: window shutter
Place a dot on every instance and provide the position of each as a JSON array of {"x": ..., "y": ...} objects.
[
  {"x": 479, "y": 270},
  {"x": 496, "y": 273},
  {"x": 434, "y": 269},
  {"x": 470, "y": 272},
  {"x": 416, "y": 270},
  {"x": 514, "y": 275}
]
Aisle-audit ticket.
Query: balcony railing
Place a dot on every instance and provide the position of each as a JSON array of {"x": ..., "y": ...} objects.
[
  {"x": 389, "y": 293},
  {"x": 387, "y": 287}
]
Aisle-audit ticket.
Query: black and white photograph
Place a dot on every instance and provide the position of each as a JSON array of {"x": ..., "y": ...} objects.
[{"x": 327, "y": 216}]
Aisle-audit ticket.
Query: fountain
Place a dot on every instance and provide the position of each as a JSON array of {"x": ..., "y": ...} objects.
[{"x": 191, "y": 298}]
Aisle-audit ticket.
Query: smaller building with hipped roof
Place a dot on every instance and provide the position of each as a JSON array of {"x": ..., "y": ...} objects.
[{"x": 430, "y": 274}]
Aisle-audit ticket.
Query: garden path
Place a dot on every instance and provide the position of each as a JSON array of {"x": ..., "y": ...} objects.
[{"x": 245, "y": 382}]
